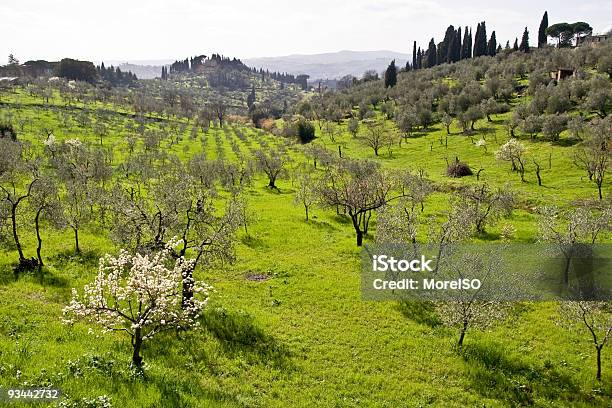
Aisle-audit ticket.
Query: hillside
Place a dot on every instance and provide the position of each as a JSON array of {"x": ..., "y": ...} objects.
[
  {"x": 333, "y": 65},
  {"x": 287, "y": 312}
]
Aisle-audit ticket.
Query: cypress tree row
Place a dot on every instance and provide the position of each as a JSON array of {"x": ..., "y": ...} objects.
[{"x": 542, "y": 38}]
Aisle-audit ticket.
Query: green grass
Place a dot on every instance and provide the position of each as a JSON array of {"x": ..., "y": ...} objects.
[{"x": 303, "y": 337}]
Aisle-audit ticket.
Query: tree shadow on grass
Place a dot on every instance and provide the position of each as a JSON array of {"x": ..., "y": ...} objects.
[
  {"x": 488, "y": 236},
  {"x": 342, "y": 219},
  {"x": 176, "y": 392},
  {"x": 86, "y": 258},
  {"x": 322, "y": 225},
  {"x": 422, "y": 312},
  {"x": 253, "y": 242},
  {"x": 496, "y": 373},
  {"x": 238, "y": 335}
]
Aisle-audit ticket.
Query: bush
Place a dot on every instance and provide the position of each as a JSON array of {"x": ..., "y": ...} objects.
[
  {"x": 7, "y": 131},
  {"x": 458, "y": 169},
  {"x": 306, "y": 131}
]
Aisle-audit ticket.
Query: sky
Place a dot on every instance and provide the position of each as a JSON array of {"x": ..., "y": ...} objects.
[{"x": 133, "y": 30}]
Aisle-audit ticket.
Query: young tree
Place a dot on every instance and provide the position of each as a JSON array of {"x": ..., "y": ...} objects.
[
  {"x": 397, "y": 224},
  {"x": 468, "y": 308},
  {"x": 447, "y": 120},
  {"x": 353, "y": 126},
  {"x": 306, "y": 193},
  {"x": 596, "y": 317},
  {"x": 376, "y": 135},
  {"x": 16, "y": 184},
  {"x": 594, "y": 153},
  {"x": 358, "y": 187},
  {"x": 567, "y": 229},
  {"x": 272, "y": 164},
  {"x": 483, "y": 205},
  {"x": 45, "y": 204},
  {"x": 139, "y": 295},
  {"x": 513, "y": 151}
]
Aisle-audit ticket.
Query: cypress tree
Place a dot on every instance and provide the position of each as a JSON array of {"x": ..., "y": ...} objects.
[
  {"x": 476, "y": 39},
  {"x": 492, "y": 46},
  {"x": 483, "y": 39},
  {"x": 515, "y": 47},
  {"x": 508, "y": 44},
  {"x": 463, "y": 54},
  {"x": 444, "y": 48},
  {"x": 524, "y": 47},
  {"x": 419, "y": 58},
  {"x": 432, "y": 54},
  {"x": 542, "y": 38},
  {"x": 414, "y": 56},
  {"x": 391, "y": 75},
  {"x": 499, "y": 48},
  {"x": 480, "y": 40},
  {"x": 457, "y": 46}
]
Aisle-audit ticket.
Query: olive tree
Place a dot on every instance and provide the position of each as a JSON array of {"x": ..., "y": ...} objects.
[
  {"x": 16, "y": 184},
  {"x": 272, "y": 163},
  {"x": 469, "y": 308},
  {"x": 359, "y": 187},
  {"x": 595, "y": 317},
  {"x": 566, "y": 229},
  {"x": 594, "y": 153},
  {"x": 306, "y": 194},
  {"x": 484, "y": 205}
]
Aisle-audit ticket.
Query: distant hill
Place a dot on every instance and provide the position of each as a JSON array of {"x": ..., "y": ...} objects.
[
  {"x": 332, "y": 65},
  {"x": 144, "y": 69}
]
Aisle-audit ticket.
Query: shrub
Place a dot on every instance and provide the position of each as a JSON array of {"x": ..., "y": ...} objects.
[
  {"x": 458, "y": 169},
  {"x": 7, "y": 131},
  {"x": 306, "y": 131}
]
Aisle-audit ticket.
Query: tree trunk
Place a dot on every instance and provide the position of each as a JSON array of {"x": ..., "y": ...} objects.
[
  {"x": 272, "y": 182},
  {"x": 359, "y": 237},
  {"x": 599, "y": 190},
  {"x": 137, "y": 344},
  {"x": 306, "y": 208},
  {"x": 462, "y": 333},
  {"x": 15, "y": 235},
  {"x": 77, "y": 248},
  {"x": 39, "y": 239},
  {"x": 599, "y": 362}
]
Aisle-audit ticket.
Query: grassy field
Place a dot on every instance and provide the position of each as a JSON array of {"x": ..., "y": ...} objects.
[{"x": 302, "y": 336}]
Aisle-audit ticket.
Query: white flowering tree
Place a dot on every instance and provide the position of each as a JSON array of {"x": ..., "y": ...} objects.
[
  {"x": 140, "y": 295},
  {"x": 514, "y": 152}
]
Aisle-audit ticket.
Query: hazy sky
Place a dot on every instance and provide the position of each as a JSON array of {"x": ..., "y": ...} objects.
[{"x": 155, "y": 29}]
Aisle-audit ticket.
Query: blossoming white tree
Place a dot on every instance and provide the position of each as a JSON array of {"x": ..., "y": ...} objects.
[{"x": 140, "y": 295}]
